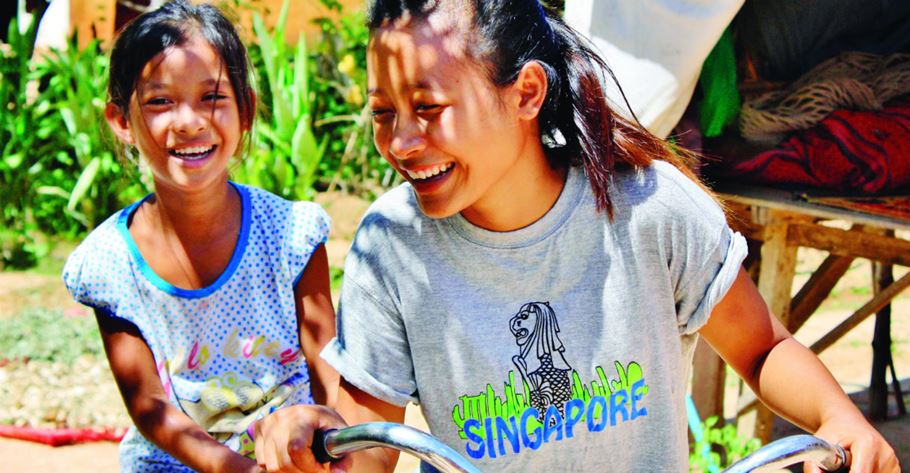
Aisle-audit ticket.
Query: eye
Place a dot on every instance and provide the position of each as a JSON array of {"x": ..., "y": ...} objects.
[
  {"x": 381, "y": 114},
  {"x": 428, "y": 109},
  {"x": 157, "y": 101},
  {"x": 214, "y": 96}
]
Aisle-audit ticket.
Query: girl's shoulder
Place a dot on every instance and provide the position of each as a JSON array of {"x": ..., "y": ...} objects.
[
  {"x": 99, "y": 260},
  {"x": 661, "y": 191},
  {"x": 394, "y": 217},
  {"x": 295, "y": 227},
  {"x": 396, "y": 208},
  {"x": 105, "y": 240},
  {"x": 263, "y": 202}
]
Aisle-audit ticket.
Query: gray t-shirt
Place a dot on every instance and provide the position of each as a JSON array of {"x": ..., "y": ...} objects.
[{"x": 561, "y": 346}]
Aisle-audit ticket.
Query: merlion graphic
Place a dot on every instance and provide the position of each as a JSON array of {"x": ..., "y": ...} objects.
[{"x": 540, "y": 360}]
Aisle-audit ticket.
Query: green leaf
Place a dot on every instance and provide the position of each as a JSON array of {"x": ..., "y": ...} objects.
[
  {"x": 69, "y": 119},
  {"x": 53, "y": 190},
  {"x": 13, "y": 161},
  {"x": 86, "y": 179}
]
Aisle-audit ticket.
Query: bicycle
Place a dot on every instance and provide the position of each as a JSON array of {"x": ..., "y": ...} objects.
[{"x": 331, "y": 445}]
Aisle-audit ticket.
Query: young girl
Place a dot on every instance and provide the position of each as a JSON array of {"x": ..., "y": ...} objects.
[
  {"x": 212, "y": 297},
  {"x": 539, "y": 283}
]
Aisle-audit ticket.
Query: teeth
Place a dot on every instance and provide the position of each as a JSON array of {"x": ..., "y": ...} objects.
[
  {"x": 193, "y": 151},
  {"x": 428, "y": 173}
]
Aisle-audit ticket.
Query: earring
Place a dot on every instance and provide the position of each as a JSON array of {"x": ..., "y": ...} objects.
[{"x": 553, "y": 139}]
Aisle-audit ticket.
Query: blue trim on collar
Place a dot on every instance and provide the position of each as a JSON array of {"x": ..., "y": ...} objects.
[{"x": 157, "y": 281}]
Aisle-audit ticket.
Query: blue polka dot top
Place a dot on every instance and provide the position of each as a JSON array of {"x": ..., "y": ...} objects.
[{"x": 228, "y": 353}]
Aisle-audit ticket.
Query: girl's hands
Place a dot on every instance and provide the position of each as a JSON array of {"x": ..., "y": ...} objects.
[
  {"x": 284, "y": 438},
  {"x": 869, "y": 451}
]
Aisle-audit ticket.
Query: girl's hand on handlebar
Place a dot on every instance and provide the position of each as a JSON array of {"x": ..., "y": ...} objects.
[
  {"x": 870, "y": 452},
  {"x": 284, "y": 438}
]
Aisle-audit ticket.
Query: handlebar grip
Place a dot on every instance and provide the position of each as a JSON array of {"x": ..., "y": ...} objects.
[
  {"x": 320, "y": 449},
  {"x": 843, "y": 460}
]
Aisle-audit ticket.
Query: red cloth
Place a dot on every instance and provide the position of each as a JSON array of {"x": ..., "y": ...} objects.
[
  {"x": 847, "y": 151},
  {"x": 58, "y": 437}
]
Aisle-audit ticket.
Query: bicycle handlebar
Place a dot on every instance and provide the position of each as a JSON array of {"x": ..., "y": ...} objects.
[
  {"x": 791, "y": 450},
  {"x": 331, "y": 445}
]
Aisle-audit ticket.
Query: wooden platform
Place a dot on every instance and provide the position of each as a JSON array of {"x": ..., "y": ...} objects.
[{"x": 776, "y": 223}]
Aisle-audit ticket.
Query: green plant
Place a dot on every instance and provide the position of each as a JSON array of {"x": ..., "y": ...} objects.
[
  {"x": 284, "y": 153},
  {"x": 48, "y": 335},
  {"x": 718, "y": 447},
  {"x": 336, "y": 275},
  {"x": 21, "y": 138},
  {"x": 351, "y": 162},
  {"x": 95, "y": 183},
  {"x": 58, "y": 172}
]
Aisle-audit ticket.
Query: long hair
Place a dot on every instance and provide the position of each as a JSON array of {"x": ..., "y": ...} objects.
[{"x": 578, "y": 127}]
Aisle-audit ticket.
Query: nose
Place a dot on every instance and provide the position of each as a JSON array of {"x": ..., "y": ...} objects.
[
  {"x": 190, "y": 119},
  {"x": 408, "y": 138}
]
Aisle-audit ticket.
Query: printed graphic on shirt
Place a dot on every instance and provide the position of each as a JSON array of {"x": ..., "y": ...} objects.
[
  {"x": 540, "y": 360},
  {"x": 228, "y": 404},
  {"x": 547, "y": 401}
]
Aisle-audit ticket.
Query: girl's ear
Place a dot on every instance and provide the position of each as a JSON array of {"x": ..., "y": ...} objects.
[
  {"x": 253, "y": 104},
  {"x": 531, "y": 89},
  {"x": 119, "y": 124}
]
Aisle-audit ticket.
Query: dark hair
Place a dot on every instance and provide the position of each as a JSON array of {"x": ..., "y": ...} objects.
[
  {"x": 172, "y": 25},
  {"x": 577, "y": 125}
]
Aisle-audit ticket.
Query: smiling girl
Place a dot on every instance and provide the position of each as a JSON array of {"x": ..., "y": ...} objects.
[
  {"x": 212, "y": 297},
  {"x": 539, "y": 283}
]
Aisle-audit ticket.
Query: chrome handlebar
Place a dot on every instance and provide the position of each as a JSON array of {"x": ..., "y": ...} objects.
[
  {"x": 791, "y": 450},
  {"x": 333, "y": 444}
]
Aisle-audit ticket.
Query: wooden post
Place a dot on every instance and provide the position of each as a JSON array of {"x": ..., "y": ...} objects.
[
  {"x": 816, "y": 290},
  {"x": 882, "y": 277},
  {"x": 708, "y": 378}
]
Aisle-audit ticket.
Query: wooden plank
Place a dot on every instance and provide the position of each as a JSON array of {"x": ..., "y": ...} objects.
[
  {"x": 836, "y": 241},
  {"x": 778, "y": 199},
  {"x": 747, "y": 400},
  {"x": 708, "y": 379},
  {"x": 816, "y": 290},
  {"x": 880, "y": 300}
]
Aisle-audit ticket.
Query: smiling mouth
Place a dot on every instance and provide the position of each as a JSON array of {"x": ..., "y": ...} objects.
[
  {"x": 192, "y": 154},
  {"x": 430, "y": 174}
]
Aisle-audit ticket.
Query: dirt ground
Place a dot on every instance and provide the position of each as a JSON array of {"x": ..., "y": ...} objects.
[{"x": 849, "y": 359}]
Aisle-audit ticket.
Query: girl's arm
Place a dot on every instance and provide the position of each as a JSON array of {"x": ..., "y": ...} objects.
[
  {"x": 283, "y": 438},
  {"x": 358, "y": 407},
  {"x": 156, "y": 418},
  {"x": 789, "y": 378},
  {"x": 316, "y": 325}
]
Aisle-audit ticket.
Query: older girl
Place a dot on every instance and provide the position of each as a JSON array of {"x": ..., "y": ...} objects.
[{"x": 540, "y": 281}]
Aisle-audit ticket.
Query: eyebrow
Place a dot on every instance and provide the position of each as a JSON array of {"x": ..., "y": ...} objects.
[
  {"x": 155, "y": 86},
  {"x": 409, "y": 88}
]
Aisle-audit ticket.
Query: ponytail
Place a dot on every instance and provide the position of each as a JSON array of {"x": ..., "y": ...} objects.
[{"x": 596, "y": 137}]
